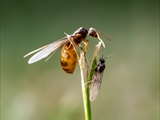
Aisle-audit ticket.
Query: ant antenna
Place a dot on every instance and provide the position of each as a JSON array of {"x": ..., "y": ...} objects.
[
  {"x": 110, "y": 55},
  {"x": 104, "y": 35}
]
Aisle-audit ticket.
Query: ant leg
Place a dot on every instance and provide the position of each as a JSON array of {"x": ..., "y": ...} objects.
[
  {"x": 86, "y": 43},
  {"x": 81, "y": 47},
  {"x": 89, "y": 82}
]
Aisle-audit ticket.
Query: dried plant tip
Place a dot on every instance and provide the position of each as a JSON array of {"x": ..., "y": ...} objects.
[
  {"x": 96, "y": 51},
  {"x": 82, "y": 65}
]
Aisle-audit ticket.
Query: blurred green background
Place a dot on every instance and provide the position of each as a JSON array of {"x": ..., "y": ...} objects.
[{"x": 42, "y": 91}]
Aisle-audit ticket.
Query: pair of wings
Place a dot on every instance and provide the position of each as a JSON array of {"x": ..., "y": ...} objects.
[
  {"x": 95, "y": 85},
  {"x": 46, "y": 50}
]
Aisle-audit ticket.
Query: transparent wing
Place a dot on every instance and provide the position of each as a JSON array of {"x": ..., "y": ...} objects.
[
  {"x": 95, "y": 85},
  {"x": 46, "y": 50}
]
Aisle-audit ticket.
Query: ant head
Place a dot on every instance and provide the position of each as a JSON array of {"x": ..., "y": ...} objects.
[
  {"x": 101, "y": 60},
  {"x": 93, "y": 33}
]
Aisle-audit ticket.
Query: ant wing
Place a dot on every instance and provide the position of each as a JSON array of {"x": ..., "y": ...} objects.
[
  {"x": 95, "y": 85},
  {"x": 46, "y": 50}
]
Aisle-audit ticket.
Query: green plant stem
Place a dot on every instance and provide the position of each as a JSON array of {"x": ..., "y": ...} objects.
[
  {"x": 86, "y": 102},
  {"x": 86, "y": 78},
  {"x": 84, "y": 75},
  {"x": 85, "y": 89}
]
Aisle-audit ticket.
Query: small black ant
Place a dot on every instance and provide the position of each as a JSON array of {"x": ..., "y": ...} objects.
[{"x": 97, "y": 78}]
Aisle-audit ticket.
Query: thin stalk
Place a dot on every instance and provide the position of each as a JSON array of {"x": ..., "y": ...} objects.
[
  {"x": 85, "y": 76},
  {"x": 85, "y": 89}
]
